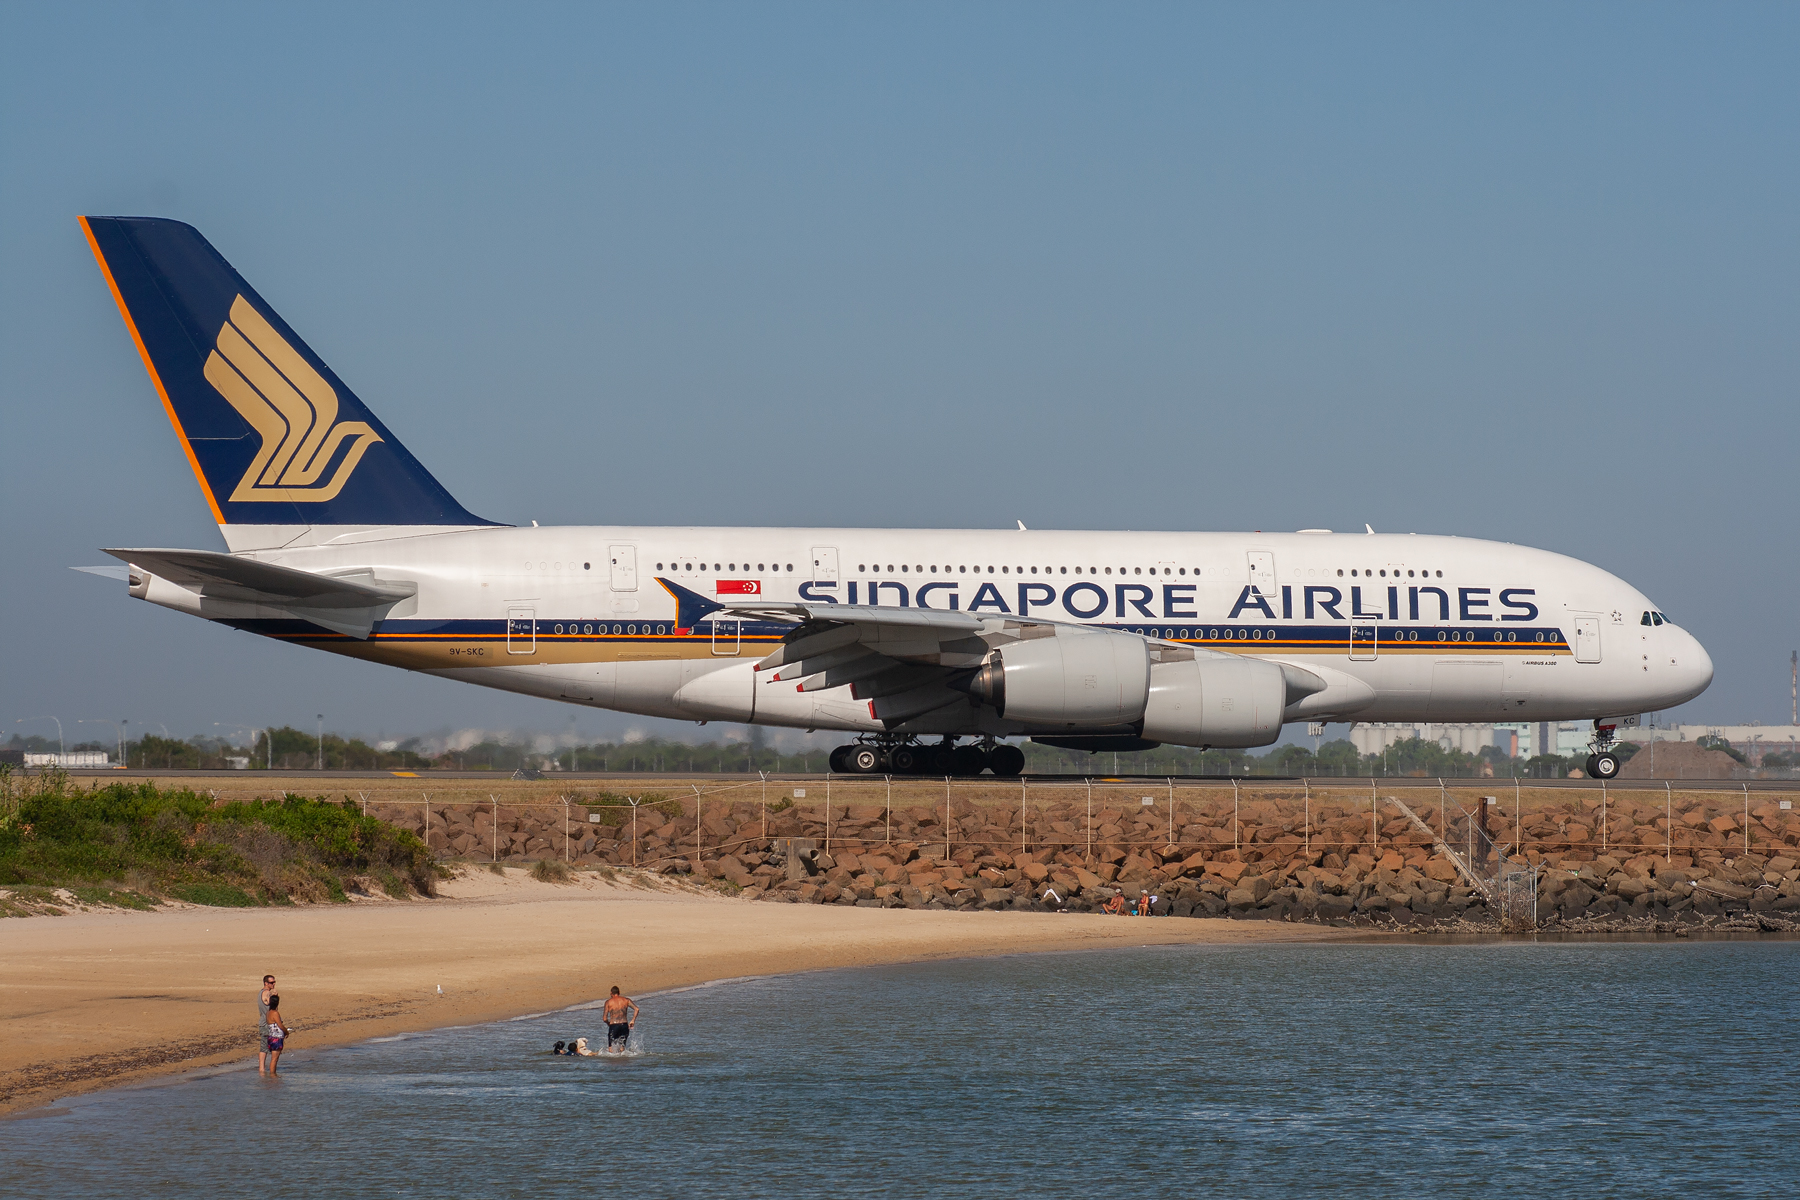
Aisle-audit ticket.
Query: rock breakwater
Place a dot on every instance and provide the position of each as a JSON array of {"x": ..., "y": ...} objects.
[{"x": 1582, "y": 860}]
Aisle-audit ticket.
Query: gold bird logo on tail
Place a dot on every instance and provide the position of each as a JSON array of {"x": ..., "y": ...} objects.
[{"x": 290, "y": 406}]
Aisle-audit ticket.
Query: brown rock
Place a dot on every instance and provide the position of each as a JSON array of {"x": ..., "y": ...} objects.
[
  {"x": 1230, "y": 872},
  {"x": 1391, "y": 862},
  {"x": 1036, "y": 872}
]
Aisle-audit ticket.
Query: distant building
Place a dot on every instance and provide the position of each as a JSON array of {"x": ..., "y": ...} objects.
[
  {"x": 72, "y": 760},
  {"x": 1752, "y": 741}
]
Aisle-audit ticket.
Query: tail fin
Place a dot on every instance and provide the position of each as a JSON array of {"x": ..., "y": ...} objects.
[{"x": 274, "y": 437}]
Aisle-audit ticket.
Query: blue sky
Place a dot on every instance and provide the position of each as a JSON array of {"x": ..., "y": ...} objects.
[{"x": 1517, "y": 272}]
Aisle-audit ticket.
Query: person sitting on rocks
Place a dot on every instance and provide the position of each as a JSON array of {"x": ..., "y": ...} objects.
[{"x": 1114, "y": 907}]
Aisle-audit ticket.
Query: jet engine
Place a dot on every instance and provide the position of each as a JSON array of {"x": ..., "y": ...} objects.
[{"x": 1070, "y": 679}]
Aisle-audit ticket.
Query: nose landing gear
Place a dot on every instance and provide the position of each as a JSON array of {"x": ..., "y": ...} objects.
[
  {"x": 1602, "y": 763},
  {"x": 1602, "y": 766}
]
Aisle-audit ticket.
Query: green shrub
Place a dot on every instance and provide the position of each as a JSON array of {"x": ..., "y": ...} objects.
[
  {"x": 217, "y": 895},
  {"x": 179, "y": 843},
  {"x": 113, "y": 898}
]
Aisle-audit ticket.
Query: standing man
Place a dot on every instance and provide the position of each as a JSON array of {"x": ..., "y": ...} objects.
[
  {"x": 620, "y": 1014},
  {"x": 262, "y": 1024}
]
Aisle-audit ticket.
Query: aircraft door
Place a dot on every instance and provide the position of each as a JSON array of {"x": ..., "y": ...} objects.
[
  {"x": 1587, "y": 639},
  {"x": 624, "y": 567},
  {"x": 725, "y": 636},
  {"x": 1364, "y": 638},
  {"x": 521, "y": 631},
  {"x": 1262, "y": 572},
  {"x": 824, "y": 564}
]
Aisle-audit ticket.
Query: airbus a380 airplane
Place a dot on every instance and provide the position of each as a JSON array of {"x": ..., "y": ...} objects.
[{"x": 340, "y": 540}]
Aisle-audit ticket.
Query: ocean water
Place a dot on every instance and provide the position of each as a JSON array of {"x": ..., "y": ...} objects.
[{"x": 1625, "y": 1069}]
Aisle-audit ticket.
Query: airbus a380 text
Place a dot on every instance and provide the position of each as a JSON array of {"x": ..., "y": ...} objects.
[{"x": 927, "y": 646}]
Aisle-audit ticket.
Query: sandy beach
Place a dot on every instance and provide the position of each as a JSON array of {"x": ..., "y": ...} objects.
[{"x": 97, "y": 999}]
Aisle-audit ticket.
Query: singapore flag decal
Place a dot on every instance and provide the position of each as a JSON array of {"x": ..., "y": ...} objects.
[{"x": 738, "y": 587}]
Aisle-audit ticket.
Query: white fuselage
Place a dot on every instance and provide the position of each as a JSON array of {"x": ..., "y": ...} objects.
[{"x": 1401, "y": 627}]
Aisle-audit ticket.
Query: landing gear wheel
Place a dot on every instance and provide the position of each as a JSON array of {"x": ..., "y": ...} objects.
[
  {"x": 863, "y": 760},
  {"x": 1007, "y": 761},
  {"x": 1603, "y": 766},
  {"x": 941, "y": 760},
  {"x": 969, "y": 760},
  {"x": 839, "y": 762},
  {"x": 904, "y": 760}
]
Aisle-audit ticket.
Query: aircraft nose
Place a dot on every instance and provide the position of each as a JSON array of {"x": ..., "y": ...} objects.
[{"x": 1696, "y": 666}]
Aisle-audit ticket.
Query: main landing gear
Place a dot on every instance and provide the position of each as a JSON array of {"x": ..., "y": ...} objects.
[
  {"x": 1602, "y": 763},
  {"x": 905, "y": 756}
]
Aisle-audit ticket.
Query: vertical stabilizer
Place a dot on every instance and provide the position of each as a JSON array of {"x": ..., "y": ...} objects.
[{"x": 274, "y": 436}]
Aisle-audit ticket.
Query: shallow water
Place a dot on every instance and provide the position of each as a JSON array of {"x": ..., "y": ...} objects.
[{"x": 1656, "y": 1069}]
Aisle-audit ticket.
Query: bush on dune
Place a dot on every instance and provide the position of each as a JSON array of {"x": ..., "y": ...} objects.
[{"x": 182, "y": 844}]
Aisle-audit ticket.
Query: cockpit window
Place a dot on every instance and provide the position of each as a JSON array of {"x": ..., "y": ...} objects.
[
  {"x": 1646, "y": 620},
  {"x": 1659, "y": 617}
]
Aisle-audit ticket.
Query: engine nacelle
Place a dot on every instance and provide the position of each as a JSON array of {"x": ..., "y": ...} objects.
[
  {"x": 1223, "y": 701},
  {"x": 1076, "y": 679}
]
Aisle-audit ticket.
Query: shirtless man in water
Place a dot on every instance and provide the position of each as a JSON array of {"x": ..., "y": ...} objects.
[{"x": 620, "y": 1014}]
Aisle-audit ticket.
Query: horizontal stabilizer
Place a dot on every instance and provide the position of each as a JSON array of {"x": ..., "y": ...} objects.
[{"x": 349, "y": 604}]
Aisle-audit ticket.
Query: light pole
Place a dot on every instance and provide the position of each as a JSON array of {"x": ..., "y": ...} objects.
[
  {"x": 321, "y": 765},
  {"x": 269, "y": 752},
  {"x": 61, "y": 747},
  {"x": 101, "y": 720}
]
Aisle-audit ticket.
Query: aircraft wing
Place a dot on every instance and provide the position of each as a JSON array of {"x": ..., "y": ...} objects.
[
  {"x": 904, "y": 662},
  {"x": 348, "y": 604},
  {"x": 910, "y": 661}
]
